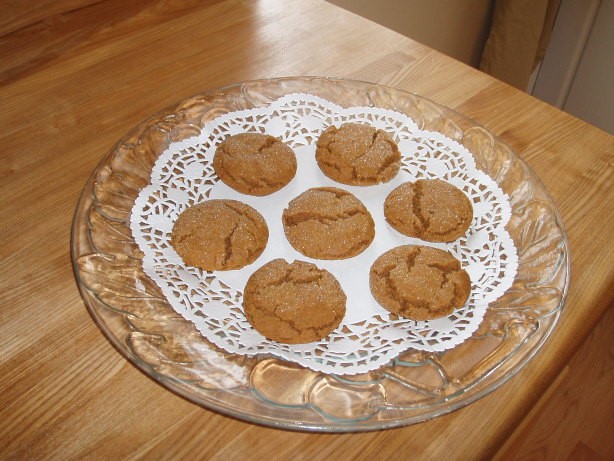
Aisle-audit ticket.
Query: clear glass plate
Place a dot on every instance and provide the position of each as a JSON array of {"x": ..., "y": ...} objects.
[{"x": 134, "y": 315}]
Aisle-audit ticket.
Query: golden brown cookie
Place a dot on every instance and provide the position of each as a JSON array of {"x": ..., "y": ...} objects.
[
  {"x": 254, "y": 163},
  {"x": 419, "y": 282},
  {"x": 328, "y": 223},
  {"x": 358, "y": 154},
  {"x": 293, "y": 303},
  {"x": 219, "y": 235},
  {"x": 431, "y": 210}
]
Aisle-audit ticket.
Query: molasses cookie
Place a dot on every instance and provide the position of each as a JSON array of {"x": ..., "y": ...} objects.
[
  {"x": 431, "y": 210},
  {"x": 328, "y": 223},
  {"x": 254, "y": 163},
  {"x": 419, "y": 282},
  {"x": 293, "y": 303},
  {"x": 219, "y": 235},
  {"x": 358, "y": 154}
]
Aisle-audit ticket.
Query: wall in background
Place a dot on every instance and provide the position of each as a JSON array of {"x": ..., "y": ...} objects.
[
  {"x": 458, "y": 29},
  {"x": 577, "y": 73}
]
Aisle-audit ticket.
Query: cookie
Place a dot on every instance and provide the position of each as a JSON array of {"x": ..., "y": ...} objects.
[
  {"x": 328, "y": 223},
  {"x": 419, "y": 282},
  {"x": 219, "y": 235},
  {"x": 254, "y": 163},
  {"x": 357, "y": 154},
  {"x": 293, "y": 303},
  {"x": 431, "y": 210}
]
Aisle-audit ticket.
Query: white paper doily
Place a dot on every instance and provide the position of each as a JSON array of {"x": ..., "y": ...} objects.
[{"x": 368, "y": 337}]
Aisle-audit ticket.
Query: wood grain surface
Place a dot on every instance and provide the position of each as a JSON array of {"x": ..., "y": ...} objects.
[
  {"x": 573, "y": 419},
  {"x": 76, "y": 75}
]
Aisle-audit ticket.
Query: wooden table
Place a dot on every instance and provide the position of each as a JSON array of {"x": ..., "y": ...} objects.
[{"x": 75, "y": 75}]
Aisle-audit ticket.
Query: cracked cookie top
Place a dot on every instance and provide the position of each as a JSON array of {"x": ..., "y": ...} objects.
[
  {"x": 357, "y": 154},
  {"x": 419, "y": 282},
  {"x": 219, "y": 235},
  {"x": 328, "y": 223},
  {"x": 293, "y": 303},
  {"x": 254, "y": 163},
  {"x": 432, "y": 210}
]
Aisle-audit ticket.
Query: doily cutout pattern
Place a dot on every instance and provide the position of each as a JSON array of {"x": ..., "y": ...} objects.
[{"x": 369, "y": 337}]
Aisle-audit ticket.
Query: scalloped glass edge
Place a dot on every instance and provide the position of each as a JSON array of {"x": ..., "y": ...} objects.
[{"x": 226, "y": 405}]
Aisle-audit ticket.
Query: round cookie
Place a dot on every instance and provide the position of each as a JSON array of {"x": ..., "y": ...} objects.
[
  {"x": 328, "y": 223},
  {"x": 358, "y": 154},
  {"x": 419, "y": 282},
  {"x": 431, "y": 210},
  {"x": 293, "y": 303},
  {"x": 254, "y": 163},
  {"x": 219, "y": 235}
]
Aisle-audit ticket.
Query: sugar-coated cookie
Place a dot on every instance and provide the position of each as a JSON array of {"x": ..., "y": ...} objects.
[
  {"x": 254, "y": 163},
  {"x": 431, "y": 210},
  {"x": 357, "y": 154},
  {"x": 419, "y": 282},
  {"x": 293, "y": 303},
  {"x": 328, "y": 223},
  {"x": 219, "y": 235}
]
